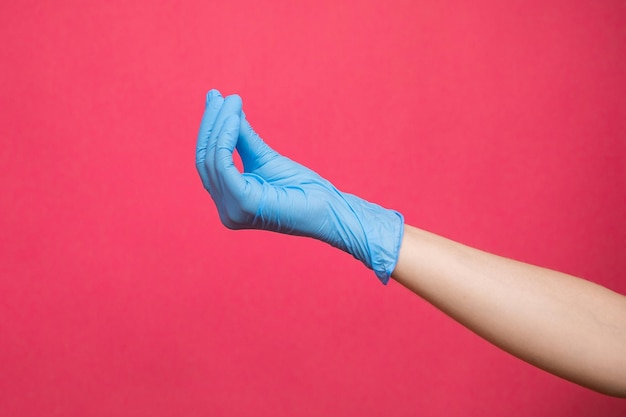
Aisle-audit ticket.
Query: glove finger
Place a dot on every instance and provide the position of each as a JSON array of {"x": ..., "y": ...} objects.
[
  {"x": 213, "y": 104},
  {"x": 233, "y": 186},
  {"x": 252, "y": 149},
  {"x": 228, "y": 174},
  {"x": 232, "y": 105}
]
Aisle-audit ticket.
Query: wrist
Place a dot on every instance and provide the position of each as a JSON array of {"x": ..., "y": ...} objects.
[
  {"x": 374, "y": 235},
  {"x": 384, "y": 236}
]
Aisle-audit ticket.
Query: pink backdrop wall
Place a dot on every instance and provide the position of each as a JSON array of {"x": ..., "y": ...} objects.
[{"x": 499, "y": 124}]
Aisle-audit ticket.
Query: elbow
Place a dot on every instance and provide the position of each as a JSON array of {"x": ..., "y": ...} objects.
[
  {"x": 618, "y": 391},
  {"x": 607, "y": 381},
  {"x": 615, "y": 387}
]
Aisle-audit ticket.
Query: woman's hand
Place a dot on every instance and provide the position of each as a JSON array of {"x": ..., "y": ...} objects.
[{"x": 277, "y": 194}]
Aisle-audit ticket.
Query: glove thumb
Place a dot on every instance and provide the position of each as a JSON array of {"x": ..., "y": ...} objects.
[{"x": 253, "y": 150}]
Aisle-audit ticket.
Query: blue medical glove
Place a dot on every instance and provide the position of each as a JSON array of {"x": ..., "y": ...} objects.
[{"x": 275, "y": 193}]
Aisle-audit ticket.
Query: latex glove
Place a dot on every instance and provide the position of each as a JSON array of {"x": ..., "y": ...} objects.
[{"x": 275, "y": 193}]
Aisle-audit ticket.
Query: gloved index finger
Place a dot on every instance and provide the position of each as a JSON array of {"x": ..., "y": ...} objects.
[
  {"x": 231, "y": 106},
  {"x": 229, "y": 177},
  {"x": 213, "y": 104}
]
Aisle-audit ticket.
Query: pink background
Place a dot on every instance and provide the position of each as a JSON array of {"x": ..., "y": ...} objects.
[{"x": 498, "y": 124}]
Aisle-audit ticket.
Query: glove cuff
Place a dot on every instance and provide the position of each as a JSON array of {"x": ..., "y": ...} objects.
[
  {"x": 372, "y": 234},
  {"x": 384, "y": 237}
]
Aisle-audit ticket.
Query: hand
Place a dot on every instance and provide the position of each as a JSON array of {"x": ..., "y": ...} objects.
[{"x": 277, "y": 194}]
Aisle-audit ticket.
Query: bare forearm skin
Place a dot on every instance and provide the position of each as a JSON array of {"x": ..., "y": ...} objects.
[{"x": 565, "y": 325}]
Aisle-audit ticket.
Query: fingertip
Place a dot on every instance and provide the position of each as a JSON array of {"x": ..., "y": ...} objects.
[
  {"x": 212, "y": 94},
  {"x": 235, "y": 101}
]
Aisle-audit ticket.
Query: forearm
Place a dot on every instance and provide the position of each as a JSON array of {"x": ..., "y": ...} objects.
[{"x": 565, "y": 325}]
